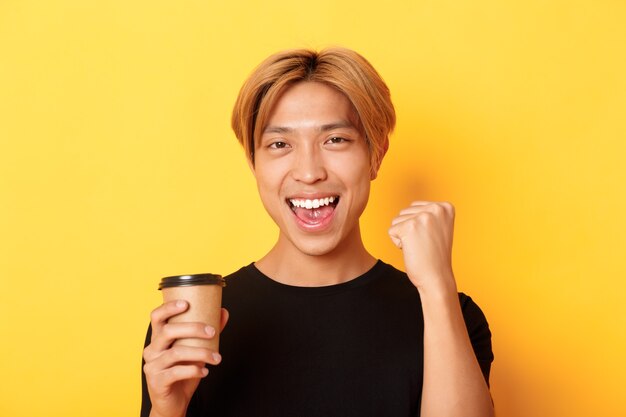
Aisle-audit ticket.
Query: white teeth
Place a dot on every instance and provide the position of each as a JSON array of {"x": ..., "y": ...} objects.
[{"x": 312, "y": 204}]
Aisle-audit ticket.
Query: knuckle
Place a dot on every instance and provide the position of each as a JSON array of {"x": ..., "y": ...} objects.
[
  {"x": 414, "y": 223},
  {"x": 147, "y": 353},
  {"x": 177, "y": 353},
  {"x": 147, "y": 368},
  {"x": 155, "y": 315},
  {"x": 168, "y": 374},
  {"x": 437, "y": 208},
  {"x": 175, "y": 373},
  {"x": 448, "y": 207},
  {"x": 165, "y": 331},
  {"x": 425, "y": 217}
]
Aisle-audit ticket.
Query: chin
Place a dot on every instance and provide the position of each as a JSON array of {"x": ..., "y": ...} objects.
[{"x": 315, "y": 248}]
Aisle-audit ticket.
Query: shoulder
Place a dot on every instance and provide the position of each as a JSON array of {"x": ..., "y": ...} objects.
[
  {"x": 472, "y": 313},
  {"x": 393, "y": 276},
  {"x": 240, "y": 282},
  {"x": 474, "y": 317},
  {"x": 246, "y": 275},
  {"x": 478, "y": 331},
  {"x": 241, "y": 272},
  {"x": 401, "y": 279}
]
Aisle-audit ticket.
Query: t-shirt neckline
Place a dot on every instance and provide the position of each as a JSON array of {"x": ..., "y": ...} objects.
[{"x": 358, "y": 281}]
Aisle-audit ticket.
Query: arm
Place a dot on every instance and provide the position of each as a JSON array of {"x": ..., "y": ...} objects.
[
  {"x": 172, "y": 373},
  {"x": 454, "y": 385}
]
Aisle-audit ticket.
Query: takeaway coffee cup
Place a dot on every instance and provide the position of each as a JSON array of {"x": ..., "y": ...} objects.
[{"x": 203, "y": 292}]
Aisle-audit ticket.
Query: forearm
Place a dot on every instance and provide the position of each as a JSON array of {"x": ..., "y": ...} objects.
[{"x": 454, "y": 385}]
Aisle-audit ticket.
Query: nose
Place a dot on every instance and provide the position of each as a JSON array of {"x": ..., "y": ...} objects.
[{"x": 308, "y": 165}]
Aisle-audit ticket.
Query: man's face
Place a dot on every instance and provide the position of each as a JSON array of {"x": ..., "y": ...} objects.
[{"x": 312, "y": 169}]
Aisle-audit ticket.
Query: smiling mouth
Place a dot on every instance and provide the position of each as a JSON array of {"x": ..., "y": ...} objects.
[{"x": 313, "y": 212}]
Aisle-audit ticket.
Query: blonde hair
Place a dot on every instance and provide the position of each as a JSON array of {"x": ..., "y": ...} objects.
[{"x": 340, "y": 68}]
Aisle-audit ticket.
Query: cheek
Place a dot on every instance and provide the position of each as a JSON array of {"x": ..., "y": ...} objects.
[
  {"x": 352, "y": 165},
  {"x": 269, "y": 173},
  {"x": 265, "y": 188},
  {"x": 265, "y": 175},
  {"x": 358, "y": 184},
  {"x": 269, "y": 181},
  {"x": 357, "y": 172}
]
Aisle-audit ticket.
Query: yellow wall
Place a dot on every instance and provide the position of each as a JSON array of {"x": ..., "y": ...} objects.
[{"x": 117, "y": 167}]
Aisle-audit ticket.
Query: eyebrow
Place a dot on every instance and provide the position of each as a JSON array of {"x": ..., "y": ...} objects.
[{"x": 323, "y": 128}]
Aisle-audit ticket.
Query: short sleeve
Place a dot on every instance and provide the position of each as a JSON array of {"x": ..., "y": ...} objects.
[{"x": 479, "y": 333}]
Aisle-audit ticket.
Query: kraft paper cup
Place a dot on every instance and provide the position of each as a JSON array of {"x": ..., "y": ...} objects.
[{"x": 203, "y": 292}]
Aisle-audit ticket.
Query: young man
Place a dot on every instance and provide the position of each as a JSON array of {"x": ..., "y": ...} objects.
[{"x": 318, "y": 326}]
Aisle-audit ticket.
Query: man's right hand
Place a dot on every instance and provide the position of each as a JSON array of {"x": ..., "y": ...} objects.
[{"x": 174, "y": 372}]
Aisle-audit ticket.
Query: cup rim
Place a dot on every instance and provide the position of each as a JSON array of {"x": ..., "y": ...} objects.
[{"x": 189, "y": 280}]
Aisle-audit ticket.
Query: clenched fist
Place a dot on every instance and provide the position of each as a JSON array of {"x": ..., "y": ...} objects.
[{"x": 424, "y": 233}]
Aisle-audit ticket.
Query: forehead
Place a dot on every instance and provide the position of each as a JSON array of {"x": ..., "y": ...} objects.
[{"x": 311, "y": 103}]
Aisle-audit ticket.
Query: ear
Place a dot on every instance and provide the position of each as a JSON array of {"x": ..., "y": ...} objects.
[{"x": 375, "y": 169}]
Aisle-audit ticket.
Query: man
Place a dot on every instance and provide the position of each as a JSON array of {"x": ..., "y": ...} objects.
[{"x": 318, "y": 326}]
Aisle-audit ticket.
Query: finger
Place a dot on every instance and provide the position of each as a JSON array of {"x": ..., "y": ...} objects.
[
  {"x": 396, "y": 241},
  {"x": 395, "y": 236},
  {"x": 172, "y": 331},
  {"x": 420, "y": 203},
  {"x": 169, "y": 376},
  {"x": 224, "y": 318},
  {"x": 435, "y": 207},
  {"x": 423, "y": 214},
  {"x": 413, "y": 210},
  {"x": 415, "y": 206},
  {"x": 161, "y": 314},
  {"x": 181, "y": 354},
  {"x": 402, "y": 218}
]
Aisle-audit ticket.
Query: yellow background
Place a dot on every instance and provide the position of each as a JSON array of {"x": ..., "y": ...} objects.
[{"x": 117, "y": 167}]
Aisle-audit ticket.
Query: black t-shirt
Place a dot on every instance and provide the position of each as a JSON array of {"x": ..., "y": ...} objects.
[{"x": 351, "y": 349}]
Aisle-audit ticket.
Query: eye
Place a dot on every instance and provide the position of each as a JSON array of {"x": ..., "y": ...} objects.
[
  {"x": 278, "y": 145},
  {"x": 336, "y": 140}
]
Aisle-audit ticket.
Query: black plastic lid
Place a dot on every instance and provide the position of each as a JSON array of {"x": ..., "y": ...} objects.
[{"x": 189, "y": 280}]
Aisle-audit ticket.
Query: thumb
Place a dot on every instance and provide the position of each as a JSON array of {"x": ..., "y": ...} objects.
[
  {"x": 394, "y": 238},
  {"x": 224, "y": 318}
]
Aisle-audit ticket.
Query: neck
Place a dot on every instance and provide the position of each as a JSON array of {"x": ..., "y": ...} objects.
[{"x": 287, "y": 264}]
